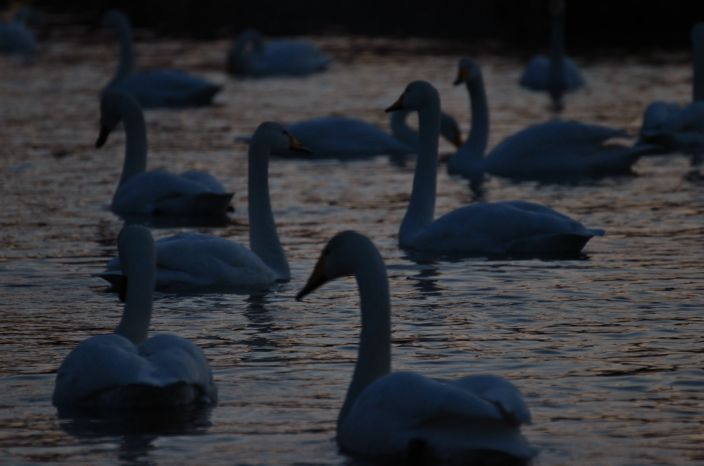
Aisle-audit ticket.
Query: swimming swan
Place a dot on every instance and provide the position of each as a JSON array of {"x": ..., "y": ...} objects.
[
  {"x": 557, "y": 73},
  {"x": 391, "y": 416},
  {"x": 154, "y": 88},
  {"x": 125, "y": 369},
  {"x": 15, "y": 38},
  {"x": 499, "y": 228},
  {"x": 192, "y": 193},
  {"x": 196, "y": 262},
  {"x": 554, "y": 149},
  {"x": 251, "y": 56}
]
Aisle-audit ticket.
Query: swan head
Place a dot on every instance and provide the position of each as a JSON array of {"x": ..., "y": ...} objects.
[
  {"x": 468, "y": 71},
  {"x": 278, "y": 139},
  {"x": 111, "y": 112},
  {"x": 417, "y": 95},
  {"x": 339, "y": 258},
  {"x": 133, "y": 242}
]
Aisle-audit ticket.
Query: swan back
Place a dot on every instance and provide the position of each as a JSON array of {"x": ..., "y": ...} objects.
[{"x": 697, "y": 36}]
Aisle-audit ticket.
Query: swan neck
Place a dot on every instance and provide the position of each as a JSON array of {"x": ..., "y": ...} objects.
[
  {"x": 263, "y": 237},
  {"x": 127, "y": 61},
  {"x": 479, "y": 109},
  {"x": 556, "y": 75},
  {"x": 698, "y": 57},
  {"x": 137, "y": 313},
  {"x": 135, "y": 140},
  {"x": 374, "y": 353},
  {"x": 401, "y": 131}
]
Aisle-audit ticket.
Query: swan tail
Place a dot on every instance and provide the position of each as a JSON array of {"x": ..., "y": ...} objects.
[
  {"x": 212, "y": 203},
  {"x": 113, "y": 277},
  {"x": 133, "y": 396}
]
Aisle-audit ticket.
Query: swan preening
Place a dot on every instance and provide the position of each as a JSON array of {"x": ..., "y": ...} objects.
[
  {"x": 393, "y": 416},
  {"x": 15, "y": 38},
  {"x": 251, "y": 56},
  {"x": 197, "y": 262},
  {"x": 552, "y": 150},
  {"x": 556, "y": 73},
  {"x": 493, "y": 229},
  {"x": 154, "y": 88},
  {"x": 125, "y": 369},
  {"x": 140, "y": 192}
]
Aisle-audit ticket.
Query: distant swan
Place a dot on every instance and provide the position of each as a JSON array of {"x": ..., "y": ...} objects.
[
  {"x": 499, "y": 228},
  {"x": 126, "y": 369},
  {"x": 154, "y": 88},
  {"x": 555, "y": 149},
  {"x": 15, "y": 38},
  {"x": 251, "y": 56},
  {"x": 392, "y": 416},
  {"x": 196, "y": 262},
  {"x": 557, "y": 73},
  {"x": 680, "y": 128},
  {"x": 191, "y": 193}
]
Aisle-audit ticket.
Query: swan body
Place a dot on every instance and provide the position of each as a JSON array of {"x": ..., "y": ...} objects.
[
  {"x": 196, "y": 262},
  {"x": 499, "y": 228},
  {"x": 251, "y": 56},
  {"x": 15, "y": 38},
  {"x": 547, "y": 150},
  {"x": 154, "y": 88},
  {"x": 191, "y": 193},
  {"x": 126, "y": 369},
  {"x": 392, "y": 416}
]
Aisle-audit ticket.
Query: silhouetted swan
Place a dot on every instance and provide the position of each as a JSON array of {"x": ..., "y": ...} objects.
[
  {"x": 392, "y": 416},
  {"x": 15, "y": 38}
]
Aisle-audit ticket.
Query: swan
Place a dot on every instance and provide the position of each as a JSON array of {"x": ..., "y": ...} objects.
[
  {"x": 198, "y": 262},
  {"x": 554, "y": 149},
  {"x": 680, "y": 128},
  {"x": 251, "y": 56},
  {"x": 154, "y": 88},
  {"x": 557, "y": 73},
  {"x": 390, "y": 416},
  {"x": 125, "y": 369},
  {"x": 15, "y": 38},
  {"x": 191, "y": 193},
  {"x": 498, "y": 228}
]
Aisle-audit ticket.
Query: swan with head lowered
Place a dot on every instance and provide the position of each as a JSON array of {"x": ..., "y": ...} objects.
[
  {"x": 157, "y": 192},
  {"x": 505, "y": 228},
  {"x": 154, "y": 88},
  {"x": 556, "y": 73},
  {"x": 677, "y": 128},
  {"x": 251, "y": 56},
  {"x": 551, "y": 150},
  {"x": 197, "y": 262},
  {"x": 126, "y": 369},
  {"x": 392, "y": 416}
]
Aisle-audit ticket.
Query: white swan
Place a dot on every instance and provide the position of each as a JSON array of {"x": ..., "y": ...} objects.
[
  {"x": 191, "y": 193},
  {"x": 197, "y": 262},
  {"x": 126, "y": 369},
  {"x": 680, "y": 128},
  {"x": 557, "y": 73},
  {"x": 551, "y": 150},
  {"x": 392, "y": 416},
  {"x": 499, "y": 228},
  {"x": 251, "y": 56},
  {"x": 154, "y": 88},
  {"x": 15, "y": 38}
]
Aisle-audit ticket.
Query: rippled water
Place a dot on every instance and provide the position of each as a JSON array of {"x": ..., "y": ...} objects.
[{"x": 607, "y": 350}]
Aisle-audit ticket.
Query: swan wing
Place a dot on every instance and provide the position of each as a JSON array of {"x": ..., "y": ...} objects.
[
  {"x": 536, "y": 74},
  {"x": 168, "y": 88},
  {"x": 205, "y": 179}
]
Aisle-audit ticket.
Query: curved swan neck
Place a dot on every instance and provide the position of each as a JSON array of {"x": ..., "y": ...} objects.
[
  {"x": 374, "y": 353},
  {"x": 556, "y": 75},
  {"x": 401, "y": 130},
  {"x": 698, "y": 57},
  {"x": 135, "y": 139},
  {"x": 421, "y": 208},
  {"x": 479, "y": 133},
  {"x": 139, "y": 270},
  {"x": 263, "y": 237},
  {"x": 127, "y": 61}
]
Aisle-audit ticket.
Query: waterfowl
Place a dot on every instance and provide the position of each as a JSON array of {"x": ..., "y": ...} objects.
[{"x": 15, "y": 38}]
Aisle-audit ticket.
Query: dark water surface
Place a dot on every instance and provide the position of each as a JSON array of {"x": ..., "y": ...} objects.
[{"x": 607, "y": 350}]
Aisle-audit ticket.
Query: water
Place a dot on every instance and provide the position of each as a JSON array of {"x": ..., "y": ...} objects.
[{"x": 607, "y": 350}]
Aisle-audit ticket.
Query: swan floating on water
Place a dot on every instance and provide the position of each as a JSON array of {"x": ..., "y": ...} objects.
[
  {"x": 493, "y": 229},
  {"x": 392, "y": 416},
  {"x": 15, "y": 38},
  {"x": 192, "y": 193},
  {"x": 196, "y": 262},
  {"x": 125, "y": 369},
  {"x": 154, "y": 88},
  {"x": 251, "y": 56}
]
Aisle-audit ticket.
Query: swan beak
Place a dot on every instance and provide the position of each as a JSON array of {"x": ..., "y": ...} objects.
[
  {"x": 102, "y": 137},
  {"x": 398, "y": 105},
  {"x": 295, "y": 144},
  {"x": 122, "y": 289},
  {"x": 457, "y": 140},
  {"x": 316, "y": 279},
  {"x": 462, "y": 76}
]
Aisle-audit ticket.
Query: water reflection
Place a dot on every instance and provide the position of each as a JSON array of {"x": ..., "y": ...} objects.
[{"x": 261, "y": 324}]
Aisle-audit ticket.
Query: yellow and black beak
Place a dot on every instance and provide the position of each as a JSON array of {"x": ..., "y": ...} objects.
[
  {"x": 457, "y": 140},
  {"x": 102, "y": 137},
  {"x": 317, "y": 278},
  {"x": 398, "y": 105},
  {"x": 295, "y": 145},
  {"x": 462, "y": 76}
]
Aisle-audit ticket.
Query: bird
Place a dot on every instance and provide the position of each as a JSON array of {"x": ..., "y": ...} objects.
[
  {"x": 251, "y": 56},
  {"x": 15, "y": 38},
  {"x": 508, "y": 228},
  {"x": 157, "y": 192},
  {"x": 158, "y": 87},
  {"x": 197, "y": 262},
  {"x": 553, "y": 150},
  {"x": 126, "y": 369},
  {"x": 396, "y": 416},
  {"x": 556, "y": 73}
]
